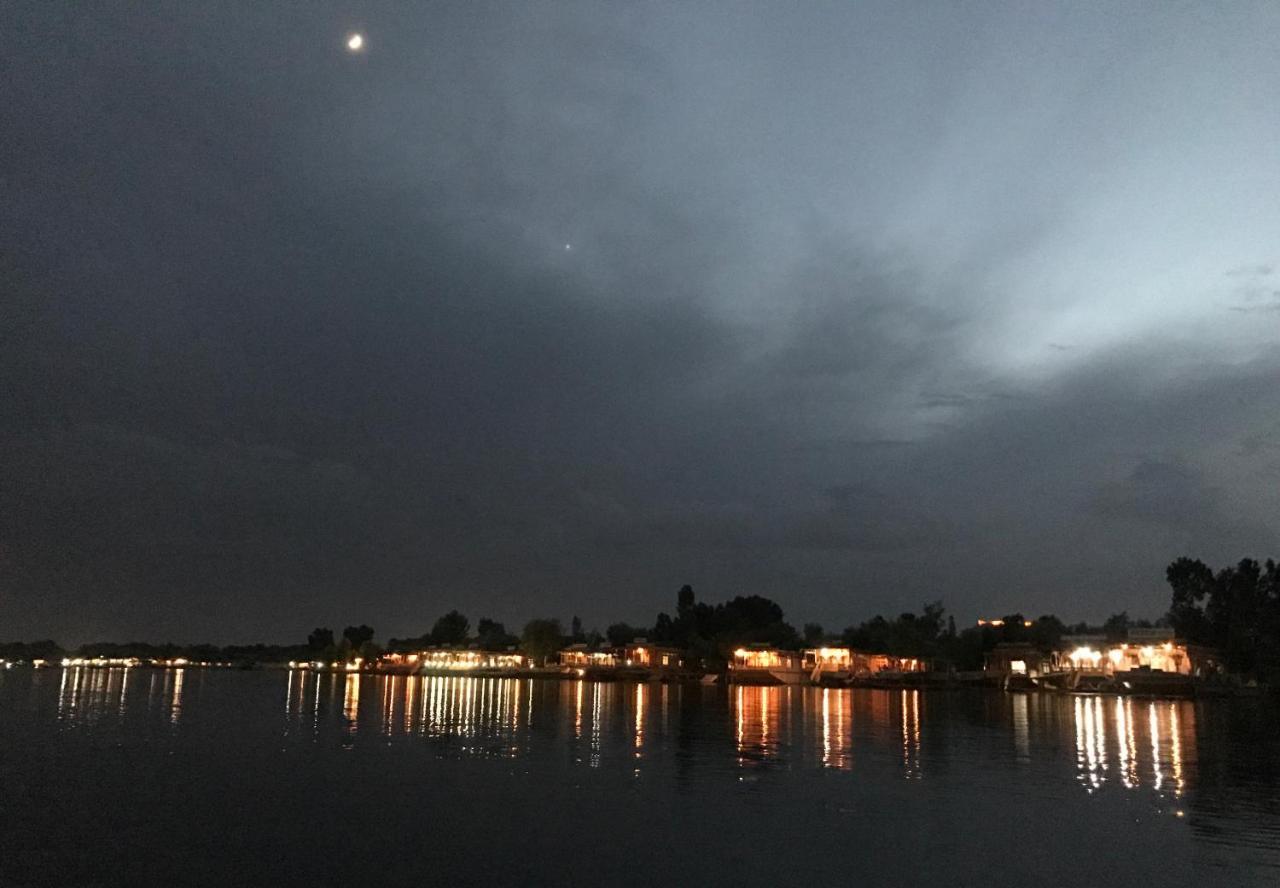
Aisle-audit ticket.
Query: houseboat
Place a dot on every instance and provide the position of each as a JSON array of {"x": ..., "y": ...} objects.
[
  {"x": 763, "y": 665},
  {"x": 1015, "y": 666},
  {"x": 636, "y": 661},
  {"x": 451, "y": 661},
  {"x": 842, "y": 666},
  {"x": 1150, "y": 662},
  {"x": 589, "y": 662}
]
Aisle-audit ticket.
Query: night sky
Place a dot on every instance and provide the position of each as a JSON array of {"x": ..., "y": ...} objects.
[{"x": 548, "y": 309}]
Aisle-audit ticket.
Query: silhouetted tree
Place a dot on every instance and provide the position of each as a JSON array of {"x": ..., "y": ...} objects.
[
  {"x": 623, "y": 633},
  {"x": 575, "y": 628},
  {"x": 320, "y": 639},
  {"x": 1240, "y": 615},
  {"x": 47, "y": 649},
  {"x": 684, "y": 602},
  {"x": 1046, "y": 632},
  {"x": 450, "y": 629},
  {"x": 1116, "y": 627},
  {"x": 541, "y": 639},
  {"x": 492, "y": 635},
  {"x": 812, "y": 633},
  {"x": 1192, "y": 582},
  {"x": 357, "y": 636},
  {"x": 910, "y": 635},
  {"x": 1015, "y": 629}
]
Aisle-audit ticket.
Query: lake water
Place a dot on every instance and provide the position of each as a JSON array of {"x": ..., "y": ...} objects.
[{"x": 194, "y": 777}]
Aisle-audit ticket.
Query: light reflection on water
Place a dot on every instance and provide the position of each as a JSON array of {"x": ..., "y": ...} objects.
[
  {"x": 1206, "y": 766},
  {"x": 1132, "y": 743},
  {"x": 1137, "y": 742},
  {"x": 88, "y": 694}
]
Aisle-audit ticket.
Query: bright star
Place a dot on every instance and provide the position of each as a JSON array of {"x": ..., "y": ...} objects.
[
  {"x": 355, "y": 42},
  {"x": 568, "y": 246}
]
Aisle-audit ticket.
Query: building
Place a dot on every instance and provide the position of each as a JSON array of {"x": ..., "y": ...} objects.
[
  {"x": 449, "y": 660},
  {"x": 764, "y": 665},
  {"x": 834, "y": 661},
  {"x": 650, "y": 656},
  {"x": 638, "y": 659},
  {"x": 579, "y": 656},
  {"x": 1016, "y": 658},
  {"x": 1147, "y": 650},
  {"x": 843, "y": 662}
]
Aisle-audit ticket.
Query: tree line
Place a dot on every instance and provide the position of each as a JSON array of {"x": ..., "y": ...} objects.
[{"x": 1236, "y": 610}]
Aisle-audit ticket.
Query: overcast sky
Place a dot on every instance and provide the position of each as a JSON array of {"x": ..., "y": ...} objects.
[{"x": 548, "y": 309}]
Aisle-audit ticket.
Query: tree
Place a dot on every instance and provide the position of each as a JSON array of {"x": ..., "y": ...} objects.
[
  {"x": 357, "y": 636},
  {"x": 1240, "y": 615},
  {"x": 684, "y": 602},
  {"x": 1015, "y": 629},
  {"x": 450, "y": 629},
  {"x": 813, "y": 633},
  {"x": 931, "y": 616},
  {"x": 1046, "y": 632},
  {"x": 907, "y": 636},
  {"x": 623, "y": 633},
  {"x": 1191, "y": 582},
  {"x": 575, "y": 628},
  {"x": 1116, "y": 628},
  {"x": 320, "y": 639},
  {"x": 541, "y": 639},
  {"x": 492, "y": 635}
]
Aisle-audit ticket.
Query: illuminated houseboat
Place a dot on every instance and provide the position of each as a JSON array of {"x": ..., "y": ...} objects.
[
  {"x": 653, "y": 657},
  {"x": 762, "y": 665},
  {"x": 449, "y": 661},
  {"x": 843, "y": 665},
  {"x": 580, "y": 658},
  {"x": 1151, "y": 661},
  {"x": 638, "y": 660},
  {"x": 1016, "y": 665}
]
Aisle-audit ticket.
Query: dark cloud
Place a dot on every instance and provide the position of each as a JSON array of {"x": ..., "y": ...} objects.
[{"x": 292, "y": 337}]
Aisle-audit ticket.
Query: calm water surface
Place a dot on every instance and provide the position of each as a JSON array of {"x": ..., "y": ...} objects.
[{"x": 191, "y": 777}]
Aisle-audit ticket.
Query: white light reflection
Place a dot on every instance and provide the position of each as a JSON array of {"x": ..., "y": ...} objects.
[
  {"x": 1021, "y": 727},
  {"x": 175, "y": 699},
  {"x": 596, "y": 724},
  {"x": 1154, "y": 723},
  {"x": 835, "y": 752},
  {"x": 911, "y": 735},
  {"x": 639, "y": 731},
  {"x": 351, "y": 701},
  {"x": 1175, "y": 749},
  {"x": 1126, "y": 744},
  {"x": 1156, "y": 761}
]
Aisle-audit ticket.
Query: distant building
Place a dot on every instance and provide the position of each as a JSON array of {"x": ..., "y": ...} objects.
[
  {"x": 650, "y": 656},
  {"x": 764, "y": 665},
  {"x": 580, "y": 656},
  {"x": 853, "y": 663},
  {"x": 1155, "y": 650},
  {"x": 638, "y": 656},
  {"x": 1016, "y": 658},
  {"x": 452, "y": 660}
]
